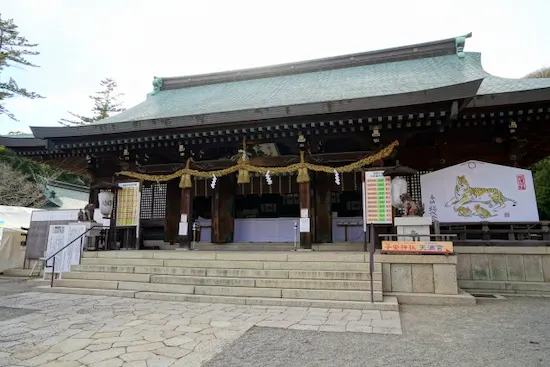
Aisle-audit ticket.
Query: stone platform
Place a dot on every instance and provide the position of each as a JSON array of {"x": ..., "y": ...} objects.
[{"x": 289, "y": 279}]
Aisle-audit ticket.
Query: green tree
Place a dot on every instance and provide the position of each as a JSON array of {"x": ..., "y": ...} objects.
[
  {"x": 541, "y": 169},
  {"x": 13, "y": 52},
  {"x": 541, "y": 178},
  {"x": 106, "y": 103},
  {"x": 38, "y": 172}
]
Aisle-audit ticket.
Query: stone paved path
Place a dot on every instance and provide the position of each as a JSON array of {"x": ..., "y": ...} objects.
[{"x": 73, "y": 330}]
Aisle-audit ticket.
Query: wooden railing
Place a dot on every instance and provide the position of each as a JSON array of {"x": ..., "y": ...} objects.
[{"x": 498, "y": 234}]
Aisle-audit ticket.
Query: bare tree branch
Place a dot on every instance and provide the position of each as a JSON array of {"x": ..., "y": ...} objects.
[
  {"x": 16, "y": 189},
  {"x": 540, "y": 73}
]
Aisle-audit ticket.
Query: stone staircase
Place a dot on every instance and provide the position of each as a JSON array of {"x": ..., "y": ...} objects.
[{"x": 300, "y": 279}]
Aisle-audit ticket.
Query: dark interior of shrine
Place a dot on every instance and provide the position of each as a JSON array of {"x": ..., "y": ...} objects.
[{"x": 345, "y": 204}]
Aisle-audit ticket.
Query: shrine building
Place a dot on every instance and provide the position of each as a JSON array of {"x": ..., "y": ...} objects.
[{"x": 426, "y": 106}]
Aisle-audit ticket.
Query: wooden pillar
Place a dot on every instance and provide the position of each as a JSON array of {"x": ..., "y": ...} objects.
[
  {"x": 171, "y": 221},
  {"x": 223, "y": 209},
  {"x": 323, "y": 208},
  {"x": 186, "y": 212},
  {"x": 305, "y": 204}
]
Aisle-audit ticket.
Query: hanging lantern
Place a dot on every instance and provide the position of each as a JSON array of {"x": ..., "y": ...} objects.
[{"x": 106, "y": 198}]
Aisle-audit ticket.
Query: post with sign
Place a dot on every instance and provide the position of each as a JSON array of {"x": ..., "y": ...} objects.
[{"x": 377, "y": 209}]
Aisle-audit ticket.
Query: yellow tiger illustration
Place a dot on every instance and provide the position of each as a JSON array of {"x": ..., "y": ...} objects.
[
  {"x": 482, "y": 212},
  {"x": 464, "y": 211},
  {"x": 464, "y": 194}
]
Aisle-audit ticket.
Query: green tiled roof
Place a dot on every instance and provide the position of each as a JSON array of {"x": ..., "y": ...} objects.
[
  {"x": 313, "y": 87},
  {"x": 323, "y": 86},
  {"x": 65, "y": 198}
]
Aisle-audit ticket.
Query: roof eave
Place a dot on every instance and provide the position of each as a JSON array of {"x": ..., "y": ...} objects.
[
  {"x": 447, "y": 93},
  {"x": 510, "y": 98},
  {"x": 21, "y": 142}
]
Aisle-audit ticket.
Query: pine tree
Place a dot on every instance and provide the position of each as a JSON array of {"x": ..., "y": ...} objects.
[
  {"x": 13, "y": 51},
  {"x": 105, "y": 104}
]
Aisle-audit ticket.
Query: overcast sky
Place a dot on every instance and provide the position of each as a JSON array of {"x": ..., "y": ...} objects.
[{"x": 82, "y": 42}]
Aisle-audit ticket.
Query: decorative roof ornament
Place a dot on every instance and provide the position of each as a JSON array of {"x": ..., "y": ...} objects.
[
  {"x": 157, "y": 84},
  {"x": 460, "y": 43}
]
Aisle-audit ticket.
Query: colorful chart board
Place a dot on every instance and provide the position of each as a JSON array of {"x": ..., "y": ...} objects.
[
  {"x": 377, "y": 198},
  {"x": 419, "y": 247},
  {"x": 127, "y": 206}
]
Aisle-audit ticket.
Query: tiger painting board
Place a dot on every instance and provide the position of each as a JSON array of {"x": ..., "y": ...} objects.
[{"x": 476, "y": 191}]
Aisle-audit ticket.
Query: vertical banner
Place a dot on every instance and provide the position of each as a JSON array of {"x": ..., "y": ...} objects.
[
  {"x": 127, "y": 207},
  {"x": 377, "y": 208}
]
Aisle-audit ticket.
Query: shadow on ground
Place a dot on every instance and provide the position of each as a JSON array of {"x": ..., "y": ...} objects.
[
  {"x": 512, "y": 332},
  {"x": 12, "y": 285}
]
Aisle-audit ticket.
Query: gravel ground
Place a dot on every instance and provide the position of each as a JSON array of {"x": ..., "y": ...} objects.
[{"x": 513, "y": 332}]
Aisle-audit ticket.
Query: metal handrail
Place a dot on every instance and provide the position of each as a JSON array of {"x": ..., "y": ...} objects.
[{"x": 61, "y": 249}]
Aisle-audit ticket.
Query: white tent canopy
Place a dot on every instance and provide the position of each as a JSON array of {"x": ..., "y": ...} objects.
[
  {"x": 15, "y": 217},
  {"x": 12, "y": 254}
]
